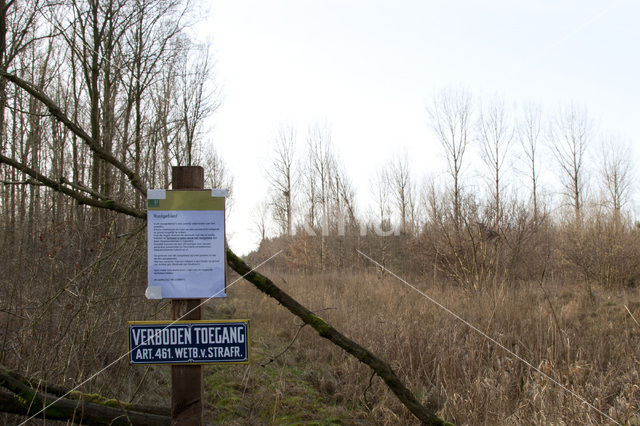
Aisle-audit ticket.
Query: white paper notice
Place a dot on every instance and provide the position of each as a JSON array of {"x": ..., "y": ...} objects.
[{"x": 186, "y": 253}]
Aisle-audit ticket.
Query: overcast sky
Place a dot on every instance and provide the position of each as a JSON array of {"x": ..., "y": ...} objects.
[{"x": 368, "y": 68}]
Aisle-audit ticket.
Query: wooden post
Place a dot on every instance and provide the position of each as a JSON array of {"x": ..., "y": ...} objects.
[{"x": 187, "y": 380}]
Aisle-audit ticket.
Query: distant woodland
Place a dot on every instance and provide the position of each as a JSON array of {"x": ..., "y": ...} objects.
[
  {"x": 524, "y": 191},
  {"x": 526, "y": 194}
]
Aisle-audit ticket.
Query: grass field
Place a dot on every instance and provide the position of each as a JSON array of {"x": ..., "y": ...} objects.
[{"x": 584, "y": 338}]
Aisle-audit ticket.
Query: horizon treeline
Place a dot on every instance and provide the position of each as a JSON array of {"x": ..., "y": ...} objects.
[{"x": 525, "y": 195}]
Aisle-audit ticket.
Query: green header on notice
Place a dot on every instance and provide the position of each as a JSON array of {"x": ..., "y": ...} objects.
[{"x": 187, "y": 200}]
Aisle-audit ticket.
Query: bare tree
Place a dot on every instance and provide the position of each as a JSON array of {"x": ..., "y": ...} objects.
[
  {"x": 282, "y": 177},
  {"x": 343, "y": 198},
  {"x": 495, "y": 133},
  {"x": 197, "y": 102},
  {"x": 431, "y": 198},
  {"x": 163, "y": 125},
  {"x": 450, "y": 118},
  {"x": 16, "y": 34},
  {"x": 110, "y": 61},
  {"x": 334, "y": 194},
  {"x": 155, "y": 48},
  {"x": 217, "y": 174},
  {"x": 402, "y": 189},
  {"x": 260, "y": 216},
  {"x": 529, "y": 134},
  {"x": 570, "y": 135},
  {"x": 94, "y": 31},
  {"x": 327, "y": 194},
  {"x": 35, "y": 138},
  {"x": 320, "y": 151},
  {"x": 380, "y": 189},
  {"x": 615, "y": 171}
]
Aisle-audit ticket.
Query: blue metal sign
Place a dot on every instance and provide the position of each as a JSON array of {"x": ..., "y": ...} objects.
[{"x": 189, "y": 342}]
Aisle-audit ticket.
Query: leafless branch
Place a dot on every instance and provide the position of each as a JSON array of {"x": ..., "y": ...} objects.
[{"x": 95, "y": 146}]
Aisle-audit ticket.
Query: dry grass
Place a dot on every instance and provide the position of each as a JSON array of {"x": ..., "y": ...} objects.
[
  {"x": 592, "y": 348},
  {"x": 64, "y": 318},
  {"x": 64, "y": 307}
]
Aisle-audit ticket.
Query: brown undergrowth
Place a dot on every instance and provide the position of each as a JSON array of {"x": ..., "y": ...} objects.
[
  {"x": 587, "y": 340},
  {"x": 64, "y": 318}
]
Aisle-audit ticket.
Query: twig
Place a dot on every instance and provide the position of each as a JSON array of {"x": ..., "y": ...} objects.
[
  {"x": 553, "y": 311},
  {"x": 80, "y": 187},
  {"x": 22, "y": 111},
  {"x": 364, "y": 393},
  {"x": 135, "y": 392},
  {"x": 632, "y": 317},
  {"x": 6, "y": 311},
  {"x": 273, "y": 358},
  {"x": 78, "y": 196},
  {"x": 22, "y": 182}
]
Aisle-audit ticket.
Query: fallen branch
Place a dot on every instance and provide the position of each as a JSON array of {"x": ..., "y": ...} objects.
[
  {"x": 264, "y": 284},
  {"x": 78, "y": 196},
  {"x": 381, "y": 368},
  {"x": 82, "y": 188},
  {"x": 94, "y": 145},
  {"x": 88, "y": 409},
  {"x": 31, "y": 182},
  {"x": 68, "y": 393}
]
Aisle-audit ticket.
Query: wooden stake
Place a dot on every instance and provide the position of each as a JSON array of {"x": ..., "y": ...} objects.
[{"x": 187, "y": 380}]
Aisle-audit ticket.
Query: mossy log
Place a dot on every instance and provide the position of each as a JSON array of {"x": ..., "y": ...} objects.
[
  {"x": 49, "y": 402},
  {"x": 381, "y": 368}
]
